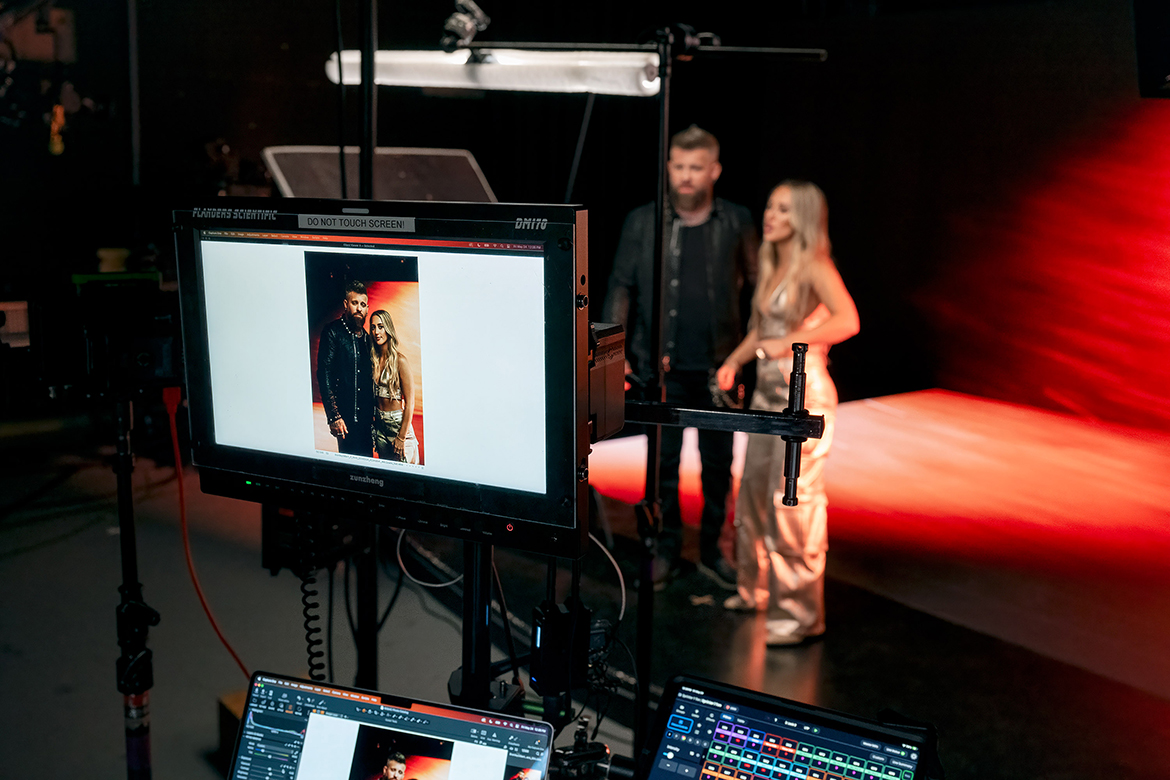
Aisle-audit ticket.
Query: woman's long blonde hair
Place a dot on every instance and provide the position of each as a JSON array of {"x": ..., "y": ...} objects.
[
  {"x": 387, "y": 372},
  {"x": 810, "y": 242}
]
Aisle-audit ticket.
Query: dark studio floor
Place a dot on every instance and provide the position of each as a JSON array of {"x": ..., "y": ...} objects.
[{"x": 1001, "y": 710}]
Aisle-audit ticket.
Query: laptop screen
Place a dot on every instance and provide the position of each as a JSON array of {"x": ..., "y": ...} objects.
[
  {"x": 713, "y": 731},
  {"x": 299, "y": 729}
]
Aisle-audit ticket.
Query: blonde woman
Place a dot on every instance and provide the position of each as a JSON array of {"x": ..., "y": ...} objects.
[
  {"x": 393, "y": 393},
  {"x": 780, "y": 551}
]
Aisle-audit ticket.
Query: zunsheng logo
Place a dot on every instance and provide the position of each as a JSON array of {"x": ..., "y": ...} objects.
[{"x": 367, "y": 480}]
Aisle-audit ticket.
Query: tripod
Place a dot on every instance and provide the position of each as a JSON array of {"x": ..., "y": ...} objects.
[{"x": 135, "y": 671}]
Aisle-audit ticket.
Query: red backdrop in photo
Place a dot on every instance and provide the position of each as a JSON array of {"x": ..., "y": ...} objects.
[
  {"x": 401, "y": 300},
  {"x": 425, "y": 767}
]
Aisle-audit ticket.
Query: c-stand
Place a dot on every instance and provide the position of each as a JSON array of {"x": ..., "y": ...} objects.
[
  {"x": 670, "y": 43},
  {"x": 128, "y": 351},
  {"x": 134, "y": 618}
]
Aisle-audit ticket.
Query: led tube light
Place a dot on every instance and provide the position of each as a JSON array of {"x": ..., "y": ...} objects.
[{"x": 632, "y": 73}]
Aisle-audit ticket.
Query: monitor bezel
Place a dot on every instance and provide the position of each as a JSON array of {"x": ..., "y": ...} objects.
[{"x": 550, "y": 522}]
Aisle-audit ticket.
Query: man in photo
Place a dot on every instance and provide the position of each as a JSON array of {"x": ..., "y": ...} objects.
[
  {"x": 395, "y": 768},
  {"x": 344, "y": 374}
]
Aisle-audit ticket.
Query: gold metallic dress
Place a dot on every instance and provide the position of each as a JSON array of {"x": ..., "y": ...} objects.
[{"x": 780, "y": 550}]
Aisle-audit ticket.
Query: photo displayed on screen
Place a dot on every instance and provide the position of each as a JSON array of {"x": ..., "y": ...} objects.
[
  {"x": 366, "y": 356},
  {"x": 386, "y": 754},
  {"x": 337, "y": 354},
  {"x": 299, "y": 730}
]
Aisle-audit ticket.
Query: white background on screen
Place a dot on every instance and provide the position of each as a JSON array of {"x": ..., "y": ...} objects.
[{"x": 482, "y": 336}]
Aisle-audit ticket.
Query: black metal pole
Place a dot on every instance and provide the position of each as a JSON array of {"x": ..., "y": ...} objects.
[
  {"x": 135, "y": 93},
  {"x": 135, "y": 672},
  {"x": 580, "y": 148},
  {"x": 368, "y": 13},
  {"x": 648, "y": 514},
  {"x": 795, "y": 409},
  {"x": 477, "y": 621},
  {"x": 366, "y": 562},
  {"x": 340, "y": 103}
]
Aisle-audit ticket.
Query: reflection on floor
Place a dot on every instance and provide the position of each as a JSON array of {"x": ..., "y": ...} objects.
[{"x": 1034, "y": 527}]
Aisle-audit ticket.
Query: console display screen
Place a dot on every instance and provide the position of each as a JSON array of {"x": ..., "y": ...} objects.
[
  {"x": 713, "y": 731},
  {"x": 303, "y": 729}
]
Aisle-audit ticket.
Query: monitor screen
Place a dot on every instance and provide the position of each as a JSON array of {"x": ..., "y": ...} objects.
[
  {"x": 418, "y": 363},
  {"x": 301, "y": 729}
]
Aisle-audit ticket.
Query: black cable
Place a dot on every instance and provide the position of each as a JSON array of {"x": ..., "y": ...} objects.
[
  {"x": 507, "y": 622},
  {"x": 393, "y": 599},
  {"x": 601, "y": 713},
  {"x": 58, "y": 479},
  {"x": 329, "y": 627},
  {"x": 312, "y": 642},
  {"x": 54, "y": 540},
  {"x": 445, "y": 617},
  {"x": 580, "y": 147},
  {"x": 60, "y": 508},
  {"x": 348, "y": 608},
  {"x": 633, "y": 663},
  {"x": 340, "y": 104}
]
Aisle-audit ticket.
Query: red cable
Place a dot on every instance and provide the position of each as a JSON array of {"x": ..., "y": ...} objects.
[{"x": 171, "y": 397}]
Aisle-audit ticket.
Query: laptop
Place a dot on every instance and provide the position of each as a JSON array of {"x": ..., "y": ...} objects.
[
  {"x": 713, "y": 731},
  {"x": 294, "y": 729}
]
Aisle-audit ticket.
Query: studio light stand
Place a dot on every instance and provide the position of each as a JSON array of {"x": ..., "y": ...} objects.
[
  {"x": 131, "y": 346},
  {"x": 135, "y": 670},
  {"x": 795, "y": 425}
]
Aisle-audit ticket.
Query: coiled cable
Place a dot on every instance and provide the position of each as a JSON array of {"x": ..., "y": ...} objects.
[{"x": 312, "y": 640}]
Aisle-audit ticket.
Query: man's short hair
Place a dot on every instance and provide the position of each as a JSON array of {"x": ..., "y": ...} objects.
[
  {"x": 355, "y": 286},
  {"x": 396, "y": 757},
  {"x": 695, "y": 137}
]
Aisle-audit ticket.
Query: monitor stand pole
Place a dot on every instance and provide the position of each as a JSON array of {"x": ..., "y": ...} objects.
[
  {"x": 477, "y": 620},
  {"x": 366, "y": 563}
]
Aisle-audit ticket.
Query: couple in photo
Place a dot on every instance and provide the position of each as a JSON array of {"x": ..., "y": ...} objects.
[{"x": 366, "y": 383}]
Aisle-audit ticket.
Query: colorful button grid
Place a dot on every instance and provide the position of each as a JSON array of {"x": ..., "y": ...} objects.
[{"x": 740, "y": 753}]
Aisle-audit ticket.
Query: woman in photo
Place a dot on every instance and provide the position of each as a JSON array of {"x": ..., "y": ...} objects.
[
  {"x": 780, "y": 551},
  {"x": 393, "y": 393}
]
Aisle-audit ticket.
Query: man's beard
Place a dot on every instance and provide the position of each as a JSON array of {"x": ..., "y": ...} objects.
[
  {"x": 357, "y": 322},
  {"x": 691, "y": 201}
]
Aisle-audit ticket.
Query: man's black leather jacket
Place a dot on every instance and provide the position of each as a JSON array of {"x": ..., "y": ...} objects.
[
  {"x": 731, "y": 279},
  {"x": 344, "y": 374}
]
